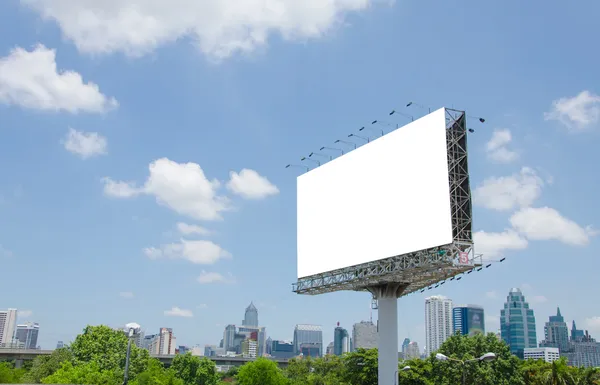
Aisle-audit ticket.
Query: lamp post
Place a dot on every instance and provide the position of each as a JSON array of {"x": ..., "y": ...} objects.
[
  {"x": 404, "y": 369},
  {"x": 131, "y": 329},
  {"x": 487, "y": 357}
]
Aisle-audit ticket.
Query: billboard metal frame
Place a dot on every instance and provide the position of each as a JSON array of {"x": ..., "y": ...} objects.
[{"x": 420, "y": 269}]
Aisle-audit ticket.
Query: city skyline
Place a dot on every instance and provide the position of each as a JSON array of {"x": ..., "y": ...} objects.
[{"x": 145, "y": 179}]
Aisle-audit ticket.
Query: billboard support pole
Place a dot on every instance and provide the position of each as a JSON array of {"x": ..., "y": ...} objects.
[{"x": 387, "y": 301}]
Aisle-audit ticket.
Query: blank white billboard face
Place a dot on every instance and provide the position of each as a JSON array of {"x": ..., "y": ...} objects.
[{"x": 387, "y": 198}]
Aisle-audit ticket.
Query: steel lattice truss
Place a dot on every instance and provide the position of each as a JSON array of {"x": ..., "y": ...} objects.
[{"x": 423, "y": 268}]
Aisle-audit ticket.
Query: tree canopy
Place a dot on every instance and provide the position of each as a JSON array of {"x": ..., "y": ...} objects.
[{"x": 97, "y": 356}]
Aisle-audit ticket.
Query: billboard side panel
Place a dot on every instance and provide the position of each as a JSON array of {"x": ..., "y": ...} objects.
[{"x": 387, "y": 198}]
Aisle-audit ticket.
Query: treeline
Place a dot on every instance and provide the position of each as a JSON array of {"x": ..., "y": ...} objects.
[{"x": 97, "y": 357}]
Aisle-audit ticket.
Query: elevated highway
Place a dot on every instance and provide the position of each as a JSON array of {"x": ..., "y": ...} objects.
[{"x": 20, "y": 355}]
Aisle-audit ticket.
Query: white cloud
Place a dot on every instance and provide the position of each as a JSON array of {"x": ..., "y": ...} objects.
[
  {"x": 178, "y": 312},
  {"x": 538, "y": 299},
  {"x": 24, "y": 313},
  {"x": 220, "y": 28},
  {"x": 30, "y": 79},
  {"x": 207, "y": 277},
  {"x": 592, "y": 324},
  {"x": 577, "y": 113},
  {"x": 200, "y": 252},
  {"x": 506, "y": 193},
  {"x": 187, "y": 229},
  {"x": 491, "y": 294},
  {"x": 546, "y": 223},
  {"x": 126, "y": 294},
  {"x": 250, "y": 185},
  {"x": 182, "y": 187},
  {"x": 492, "y": 245},
  {"x": 85, "y": 144},
  {"x": 497, "y": 148}
]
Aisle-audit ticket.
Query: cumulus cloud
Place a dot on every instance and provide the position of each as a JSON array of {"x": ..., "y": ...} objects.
[
  {"x": 506, "y": 193},
  {"x": 207, "y": 277},
  {"x": 85, "y": 144},
  {"x": 577, "y": 113},
  {"x": 178, "y": 312},
  {"x": 183, "y": 187},
  {"x": 497, "y": 147},
  {"x": 187, "y": 229},
  {"x": 250, "y": 185},
  {"x": 220, "y": 28},
  {"x": 546, "y": 223},
  {"x": 30, "y": 79},
  {"x": 199, "y": 252},
  {"x": 492, "y": 245}
]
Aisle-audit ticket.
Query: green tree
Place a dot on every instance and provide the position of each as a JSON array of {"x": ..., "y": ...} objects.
[
  {"x": 156, "y": 374},
  {"x": 502, "y": 371},
  {"x": 531, "y": 371},
  {"x": 43, "y": 366},
  {"x": 261, "y": 372},
  {"x": 195, "y": 370},
  {"x": 10, "y": 375},
  {"x": 557, "y": 373},
  {"x": 108, "y": 348},
  {"x": 84, "y": 373},
  {"x": 361, "y": 367},
  {"x": 419, "y": 373}
]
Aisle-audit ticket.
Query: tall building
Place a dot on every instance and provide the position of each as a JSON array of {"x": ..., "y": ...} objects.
[
  {"x": 251, "y": 316},
  {"x": 548, "y": 354},
  {"x": 576, "y": 333},
  {"x": 8, "y": 323},
  {"x": 364, "y": 335},
  {"x": 309, "y": 339},
  {"x": 27, "y": 335},
  {"x": 468, "y": 320},
  {"x": 341, "y": 340},
  {"x": 517, "y": 323},
  {"x": 282, "y": 349},
  {"x": 228, "y": 337},
  {"x": 412, "y": 351},
  {"x": 262, "y": 337},
  {"x": 166, "y": 342},
  {"x": 438, "y": 322},
  {"x": 556, "y": 333}
]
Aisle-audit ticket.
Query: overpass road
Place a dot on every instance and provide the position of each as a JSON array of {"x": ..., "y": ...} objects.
[{"x": 20, "y": 355}]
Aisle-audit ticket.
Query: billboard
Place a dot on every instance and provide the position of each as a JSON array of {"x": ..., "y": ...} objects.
[
  {"x": 475, "y": 321},
  {"x": 387, "y": 198}
]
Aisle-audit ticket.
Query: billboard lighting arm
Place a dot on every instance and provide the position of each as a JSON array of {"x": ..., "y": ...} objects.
[
  {"x": 412, "y": 119},
  {"x": 418, "y": 105},
  {"x": 382, "y": 133},
  {"x": 346, "y": 142},
  {"x": 367, "y": 139},
  {"x": 332, "y": 148},
  {"x": 312, "y": 160},
  {"x": 318, "y": 154},
  {"x": 297, "y": 165}
]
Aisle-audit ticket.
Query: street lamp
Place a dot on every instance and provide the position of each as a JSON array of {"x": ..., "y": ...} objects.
[
  {"x": 404, "y": 369},
  {"x": 487, "y": 357},
  {"x": 131, "y": 329}
]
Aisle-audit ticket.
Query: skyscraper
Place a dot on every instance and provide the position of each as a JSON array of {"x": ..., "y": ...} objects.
[
  {"x": 341, "y": 340},
  {"x": 8, "y": 322},
  {"x": 228, "y": 338},
  {"x": 251, "y": 316},
  {"x": 468, "y": 319},
  {"x": 556, "y": 333},
  {"x": 517, "y": 323},
  {"x": 438, "y": 322},
  {"x": 308, "y": 338},
  {"x": 27, "y": 335},
  {"x": 364, "y": 335}
]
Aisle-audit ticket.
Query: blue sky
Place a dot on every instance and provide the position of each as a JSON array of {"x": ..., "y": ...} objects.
[{"x": 92, "y": 185}]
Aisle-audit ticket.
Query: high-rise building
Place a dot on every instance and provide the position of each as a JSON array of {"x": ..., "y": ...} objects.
[
  {"x": 251, "y": 316},
  {"x": 556, "y": 333},
  {"x": 584, "y": 351},
  {"x": 548, "y": 354},
  {"x": 282, "y": 349},
  {"x": 364, "y": 335},
  {"x": 27, "y": 335},
  {"x": 309, "y": 339},
  {"x": 60, "y": 345},
  {"x": 329, "y": 349},
  {"x": 576, "y": 333},
  {"x": 228, "y": 337},
  {"x": 262, "y": 336},
  {"x": 341, "y": 340},
  {"x": 412, "y": 351},
  {"x": 167, "y": 342},
  {"x": 438, "y": 322},
  {"x": 468, "y": 320},
  {"x": 8, "y": 323},
  {"x": 517, "y": 323}
]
